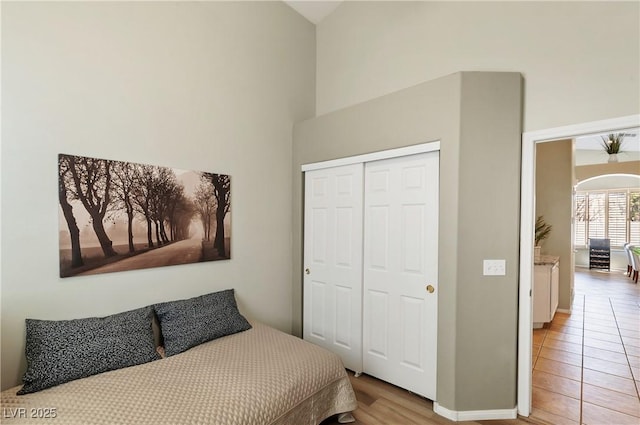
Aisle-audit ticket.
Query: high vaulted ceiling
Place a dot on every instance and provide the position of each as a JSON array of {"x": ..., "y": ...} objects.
[
  {"x": 588, "y": 148},
  {"x": 314, "y": 11}
]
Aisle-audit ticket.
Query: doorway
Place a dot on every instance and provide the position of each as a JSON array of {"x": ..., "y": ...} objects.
[{"x": 527, "y": 223}]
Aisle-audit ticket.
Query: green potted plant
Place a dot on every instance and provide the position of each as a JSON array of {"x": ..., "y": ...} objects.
[
  {"x": 612, "y": 144},
  {"x": 542, "y": 232}
]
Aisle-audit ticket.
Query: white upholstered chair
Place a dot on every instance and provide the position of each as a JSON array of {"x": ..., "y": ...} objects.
[
  {"x": 635, "y": 261},
  {"x": 635, "y": 265},
  {"x": 627, "y": 250}
]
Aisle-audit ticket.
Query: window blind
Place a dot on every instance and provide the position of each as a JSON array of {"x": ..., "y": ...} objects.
[
  {"x": 597, "y": 214},
  {"x": 617, "y": 218},
  {"x": 610, "y": 214},
  {"x": 580, "y": 220}
]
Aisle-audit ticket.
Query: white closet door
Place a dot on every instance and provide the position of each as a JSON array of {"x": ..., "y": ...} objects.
[
  {"x": 333, "y": 261},
  {"x": 400, "y": 261}
]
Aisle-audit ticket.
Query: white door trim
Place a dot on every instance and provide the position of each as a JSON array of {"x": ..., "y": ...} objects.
[
  {"x": 374, "y": 156},
  {"x": 527, "y": 226}
]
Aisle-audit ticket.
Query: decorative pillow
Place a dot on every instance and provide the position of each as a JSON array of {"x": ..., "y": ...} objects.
[
  {"x": 187, "y": 323},
  {"x": 64, "y": 350}
]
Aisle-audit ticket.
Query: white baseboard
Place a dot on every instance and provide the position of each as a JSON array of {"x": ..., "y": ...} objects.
[
  {"x": 475, "y": 415},
  {"x": 564, "y": 310}
]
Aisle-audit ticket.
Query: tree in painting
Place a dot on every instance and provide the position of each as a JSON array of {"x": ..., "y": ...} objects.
[
  {"x": 222, "y": 191},
  {"x": 125, "y": 180},
  {"x": 92, "y": 186},
  {"x": 179, "y": 214},
  {"x": 164, "y": 186},
  {"x": 143, "y": 196},
  {"x": 205, "y": 204},
  {"x": 67, "y": 209}
]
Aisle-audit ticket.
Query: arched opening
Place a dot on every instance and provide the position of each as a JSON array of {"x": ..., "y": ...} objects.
[{"x": 606, "y": 207}]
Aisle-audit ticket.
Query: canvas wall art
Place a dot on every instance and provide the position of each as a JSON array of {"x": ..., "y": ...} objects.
[{"x": 117, "y": 216}]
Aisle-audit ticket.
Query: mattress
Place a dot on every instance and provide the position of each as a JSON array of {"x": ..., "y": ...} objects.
[{"x": 260, "y": 376}]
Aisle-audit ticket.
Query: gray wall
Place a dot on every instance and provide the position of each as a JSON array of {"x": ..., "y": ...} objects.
[
  {"x": 563, "y": 51},
  {"x": 207, "y": 86},
  {"x": 476, "y": 116},
  {"x": 576, "y": 68},
  {"x": 554, "y": 201}
]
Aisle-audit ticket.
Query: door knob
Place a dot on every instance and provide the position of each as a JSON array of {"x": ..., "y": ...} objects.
[
  {"x": 430, "y": 289},
  {"x": 307, "y": 271}
]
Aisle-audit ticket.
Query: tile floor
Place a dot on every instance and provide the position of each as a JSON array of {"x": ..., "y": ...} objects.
[{"x": 586, "y": 365}]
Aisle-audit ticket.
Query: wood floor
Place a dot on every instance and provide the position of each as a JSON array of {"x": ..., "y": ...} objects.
[
  {"x": 380, "y": 403},
  {"x": 586, "y": 366}
]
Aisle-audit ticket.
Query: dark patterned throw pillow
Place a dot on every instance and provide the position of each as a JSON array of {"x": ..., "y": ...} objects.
[
  {"x": 64, "y": 350},
  {"x": 187, "y": 323}
]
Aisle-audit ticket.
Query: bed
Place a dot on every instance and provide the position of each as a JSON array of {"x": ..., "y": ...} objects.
[{"x": 257, "y": 376}]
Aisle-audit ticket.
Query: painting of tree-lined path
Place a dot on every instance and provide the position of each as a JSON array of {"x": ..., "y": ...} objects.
[{"x": 117, "y": 216}]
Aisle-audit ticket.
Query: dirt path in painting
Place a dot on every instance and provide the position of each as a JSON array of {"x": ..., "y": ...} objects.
[{"x": 183, "y": 252}]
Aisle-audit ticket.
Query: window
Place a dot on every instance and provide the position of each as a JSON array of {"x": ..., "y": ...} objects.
[
  {"x": 634, "y": 217},
  {"x": 617, "y": 223},
  {"x": 596, "y": 215},
  {"x": 607, "y": 214},
  {"x": 580, "y": 220}
]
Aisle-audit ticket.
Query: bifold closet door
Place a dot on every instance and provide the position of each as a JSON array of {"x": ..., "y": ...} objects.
[
  {"x": 332, "y": 283},
  {"x": 401, "y": 271}
]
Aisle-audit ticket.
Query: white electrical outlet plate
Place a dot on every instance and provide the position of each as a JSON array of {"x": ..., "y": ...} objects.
[{"x": 494, "y": 267}]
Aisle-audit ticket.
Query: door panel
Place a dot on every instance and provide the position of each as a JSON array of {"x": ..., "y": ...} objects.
[
  {"x": 400, "y": 260},
  {"x": 378, "y": 236},
  {"x": 411, "y": 312},
  {"x": 319, "y": 224},
  {"x": 377, "y": 325},
  {"x": 317, "y": 310},
  {"x": 343, "y": 323},
  {"x": 344, "y": 236},
  {"x": 332, "y": 283},
  {"x": 412, "y": 238}
]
